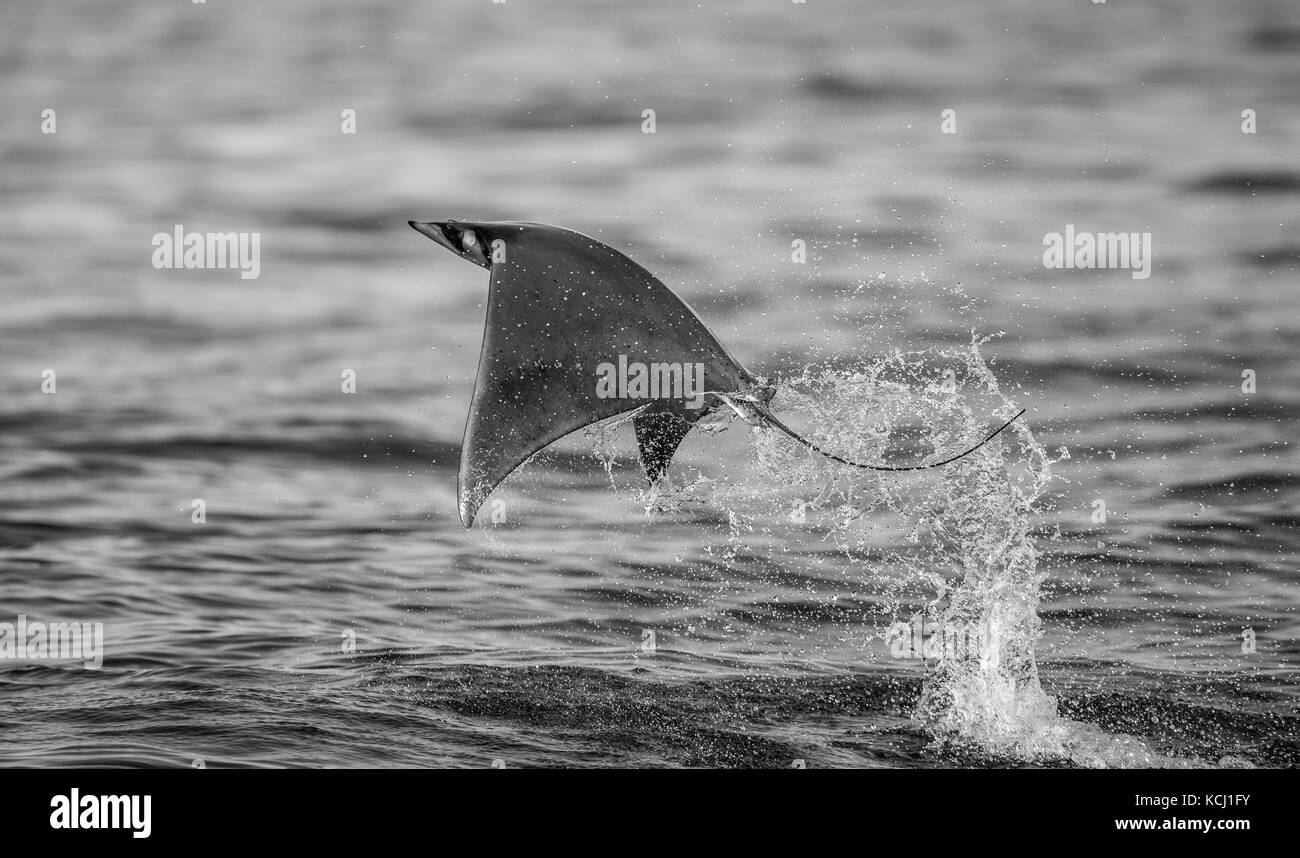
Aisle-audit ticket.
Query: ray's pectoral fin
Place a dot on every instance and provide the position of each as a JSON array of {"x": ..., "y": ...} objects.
[{"x": 660, "y": 429}]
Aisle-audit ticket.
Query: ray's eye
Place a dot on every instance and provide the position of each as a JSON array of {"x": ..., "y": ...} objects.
[{"x": 468, "y": 240}]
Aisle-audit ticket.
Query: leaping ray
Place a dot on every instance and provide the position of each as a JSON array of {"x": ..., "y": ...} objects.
[
  {"x": 576, "y": 332},
  {"x": 561, "y": 304}
]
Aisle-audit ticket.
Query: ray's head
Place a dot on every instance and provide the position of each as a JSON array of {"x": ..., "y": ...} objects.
[{"x": 467, "y": 240}]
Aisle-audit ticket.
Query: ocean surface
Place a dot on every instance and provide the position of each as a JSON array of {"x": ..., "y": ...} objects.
[{"x": 1129, "y": 548}]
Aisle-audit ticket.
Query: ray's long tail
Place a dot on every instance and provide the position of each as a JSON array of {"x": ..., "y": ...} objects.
[{"x": 769, "y": 418}]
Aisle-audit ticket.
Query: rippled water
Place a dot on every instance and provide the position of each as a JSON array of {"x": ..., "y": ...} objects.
[{"x": 332, "y": 611}]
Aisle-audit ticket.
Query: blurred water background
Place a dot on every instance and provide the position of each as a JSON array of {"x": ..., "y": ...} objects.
[{"x": 331, "y": 517}]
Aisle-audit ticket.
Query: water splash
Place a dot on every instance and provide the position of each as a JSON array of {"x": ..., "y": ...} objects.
[
  {"x": 962, "y": 532},
  {"x": 962, "y": 529},
  {"x": 965, "y": 530}
]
